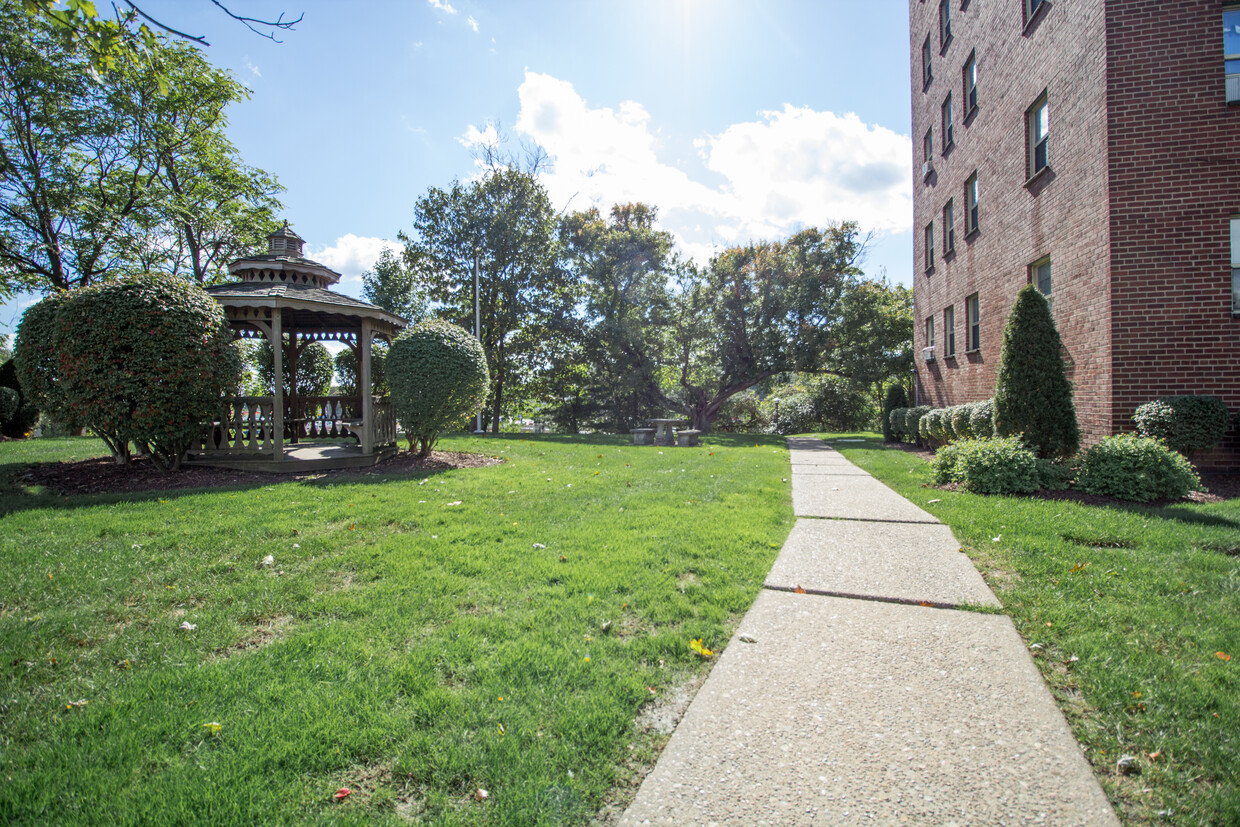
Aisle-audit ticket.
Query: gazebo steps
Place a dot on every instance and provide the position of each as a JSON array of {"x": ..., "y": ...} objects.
[{"x": 296, "y": 459}]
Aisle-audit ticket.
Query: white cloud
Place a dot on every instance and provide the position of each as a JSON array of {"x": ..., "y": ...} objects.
[
  {"x": 351, "y": 255},
  {"x": 251, "y": 68},
  {"x": 473, "y": 24},
  {"x": 787, "y": 169},
  {"x": 442, "y": 6}
]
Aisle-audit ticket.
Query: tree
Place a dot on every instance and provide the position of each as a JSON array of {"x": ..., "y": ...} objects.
[
  {"x": 624, "y": 264},
  {"x": 896, "y": 398},
  {"x": 314, "y": 369},
  {"x": 526, "y": 296},
  {"x": 875, "y": 344},
  {"x": 124, "y": 174},
  {"x": 758, "y": 311},
  {"x": 346, "y": 369},
  {"x": 438, "y": 374},
  {"x": 395, "y": 287},
  {"x": 1032, "y": 394}
]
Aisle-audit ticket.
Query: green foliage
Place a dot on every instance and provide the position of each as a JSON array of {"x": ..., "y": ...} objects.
[
  {"x": 895, "y": 423},
  {"x": 36, "y": 358},
  {"x": 875, "y": 339},
  {"x": 143, "y": 359},
  {"x": 1185, "y": 423},
  {"x": 946, "y": 463},
  {"x": 346, "y": 369},
  {"x": 10, "y": 403},
  {"x": 913, "y": 424},
  {"x": 896, "y": 399},
  {"x": 19, "y": 425},
  {"x": 982, "y": 419},
  {"x": 815, "y": 403},
  {"x": 962, "y": 421},
  {"x": 395, "y": 288},
  {"x": 1136, "y": 468},
  {"x": 1032, "y": 395},
  {"x": 743, "y": 413},
  {"x": 315, "y": 369},
  {"x": 438, "y": 374},
  {"x": 999, "y": 465}
]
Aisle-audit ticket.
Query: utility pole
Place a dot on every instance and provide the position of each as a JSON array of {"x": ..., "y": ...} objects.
[{"x": 477, "y": 322}]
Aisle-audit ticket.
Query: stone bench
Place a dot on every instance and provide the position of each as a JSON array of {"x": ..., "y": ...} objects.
[
  {"x": 643, "y": 436},
  {"x": 687, "y": 438}
]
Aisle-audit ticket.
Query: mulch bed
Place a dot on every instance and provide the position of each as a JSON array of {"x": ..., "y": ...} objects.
[
  {"x": 103, "y": 476},
  {"x": 1218, "y": 487}
]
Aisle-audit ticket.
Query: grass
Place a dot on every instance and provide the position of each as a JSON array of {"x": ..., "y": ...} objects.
[
  {"x": 1125, "y": 610},
  {"x": 417, "y": 638}
]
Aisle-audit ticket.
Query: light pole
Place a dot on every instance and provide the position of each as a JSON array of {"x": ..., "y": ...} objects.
[{"x": 477, "y": 324}]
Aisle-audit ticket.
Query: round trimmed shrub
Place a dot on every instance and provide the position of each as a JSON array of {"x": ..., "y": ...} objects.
[
  {"x": 438, "y": 375},
  {"x": 145, "y": 359},
  {"x": 19, "y": 425},
  {"x": 999, "y": 465},
  {"x": 1032, "y": 395},
  {"x": 895, "y": 423},
  {"x": 1185, "y": 423},
  {"x": 946, "y": 463},
  {"x": 1136, "y": 468},
  {"x": 896, "y": 399},
  {"x": 961, "y": 416},
  {"x": 982, "y": 419},
  {"x": 34, "y": 355},
  {"x": 913, "y": 424}
]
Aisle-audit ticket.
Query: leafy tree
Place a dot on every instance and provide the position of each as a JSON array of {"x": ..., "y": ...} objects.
[
  {"x": 313, "y": 367},
  {"x": 438, "y": 374},
  {"x": 18, "y": 425},
  {"x": 526, "y": 297},
  {"x": 1032, "y": 393},
  {"x": 127, "y": 173},
  {"x": 395, "y": 287},
  {"x": 875, "y": 341},
  {"x": 145, "y": 359},
  {"x": 346, "y": 369},
  {"x": 623, "y": 264},
  {"x": 896, "y": 398}
]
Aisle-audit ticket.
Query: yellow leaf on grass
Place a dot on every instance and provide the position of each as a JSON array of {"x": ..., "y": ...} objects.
[
  {"x": 1222, "y": 656},
  {"x": 212, "y": 727},
  {"x": 696, "y": 645}
]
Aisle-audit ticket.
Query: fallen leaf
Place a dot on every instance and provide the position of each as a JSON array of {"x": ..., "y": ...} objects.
[
  {"x": 76, "y": 704},
  {"x": 696, "y": 645},
  {"x": 212, "y": 727},
  {"x": 747, "y": 639},
  {"x": 501, "y": 728},
  {"x": 536, "y": 545},
  {"x": 1222, "y": 656},
  {"x": 652, "y": 690},
  {"x": 563, "y": 559},
  {"x": 122, "y": 664},
  {"x": 1079, "y": 567},
  {"x": 481, "y": 794},
  {"x": 1154, "y": 755},
  {"x": 798, "y": 590},
  {"x": 342, "y": 794},
  {"x": 187, "y": 626}
]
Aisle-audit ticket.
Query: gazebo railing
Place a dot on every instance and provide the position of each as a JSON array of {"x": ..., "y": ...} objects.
[
  {"x": 245, "y": 426},
  {"x": 330, "y": 417},
  {"x": 385, "y": 422}
]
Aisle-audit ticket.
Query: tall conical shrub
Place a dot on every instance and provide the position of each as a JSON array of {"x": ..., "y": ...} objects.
[
  {"x": 896, "y": 398},
  {"x": 1032, "y": 395}
]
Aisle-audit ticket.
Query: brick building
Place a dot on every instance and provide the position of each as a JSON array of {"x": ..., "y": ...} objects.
[{"x": 1091, "y": 147}]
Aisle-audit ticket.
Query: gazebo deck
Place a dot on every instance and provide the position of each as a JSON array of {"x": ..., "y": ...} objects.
[{"x": 296, "y": 459}]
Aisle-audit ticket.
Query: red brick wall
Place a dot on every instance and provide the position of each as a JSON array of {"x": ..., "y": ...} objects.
[
  {"x": 1063, "y": 214},
  {"x": 1175, "y": 182}
]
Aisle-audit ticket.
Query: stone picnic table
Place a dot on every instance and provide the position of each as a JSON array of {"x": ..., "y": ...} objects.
[{"x": 663, "y": 429}]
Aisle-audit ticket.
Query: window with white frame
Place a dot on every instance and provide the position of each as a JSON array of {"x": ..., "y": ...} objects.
[
  {"x": 927, "y": 154},
  {"x": 1037, "y": 129},
  {"x": 970, "y": 84},
  {"x": 929, "y": 331},
  {"x": 926, "y": 74},
  {"x": 929, "y": 246},
  {"x": 949, "y": 331},
  {"x": 973, "y": 318},
  {"x": 971, "y": 212},
  {"x": 1040, "y": 277},
  {"x": 1231, "y": 52},
  {"x": 949, "y": 227},
  {"x": 1235, "y": 265},
  {"x": 947, "y": 123},
  {"x": 945, "y": 24}
]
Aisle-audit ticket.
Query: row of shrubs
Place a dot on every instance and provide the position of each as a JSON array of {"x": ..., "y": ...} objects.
[
  {"x": 1126, "y": 466},
  {"x": 938, "y": 426}
]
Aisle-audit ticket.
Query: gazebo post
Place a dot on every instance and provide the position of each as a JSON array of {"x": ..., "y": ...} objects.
[
  {"x": 277, "y": 385},
  {"x": 364, "y": 388}
]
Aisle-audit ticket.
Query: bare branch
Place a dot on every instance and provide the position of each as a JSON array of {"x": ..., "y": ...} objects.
[
  {"x": 250, "y": 22},
  {"x": 196, "y": 39}
]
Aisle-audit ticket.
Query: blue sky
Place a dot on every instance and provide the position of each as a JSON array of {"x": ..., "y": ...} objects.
[{"x": 738, "y": 120}]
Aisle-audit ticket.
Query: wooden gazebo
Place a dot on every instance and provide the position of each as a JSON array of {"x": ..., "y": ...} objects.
[{"x": 286, "y": 299}]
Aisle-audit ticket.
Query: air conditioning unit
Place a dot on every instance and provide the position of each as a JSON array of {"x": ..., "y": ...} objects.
[
  {"x": 927, "y": 168},
  {"x": 927, "y": 353}
]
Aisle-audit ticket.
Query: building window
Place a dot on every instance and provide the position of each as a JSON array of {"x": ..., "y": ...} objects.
[
  {"x": 949, "y": 227},
  {"x": 949, "y": 332},
  {"x": 927, "y": 153},
  {"x": 945, "y": 24},
  {"x": 1040, "y": 276},
  {"x": 973, "y": 313},
  {"x": 929, "y": 331},
  {"x": 970, "y": 84},
  {"x": 926, "y": 74},
  {"x": 929, "y": 246},
  {"x": 1031, "y": 8},
  {"x": 947, "y": 123},
  {"x": 1037, "y": 128},
  {"x": 1231, "y": 52},
  {"x": 1235, "y": 265},
  {"x": 970, "y": 206}
]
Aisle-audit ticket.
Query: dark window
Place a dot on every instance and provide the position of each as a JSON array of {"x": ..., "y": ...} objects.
[
  {"x": 1235, "y": 264},
  {"x": 926, "y": 75},
  {"x": 973, "y": 311},
  {"x": 970, "y": 84},
  {"x": 1037, "y": 128},
  {"x": 947, "y": 122},
  {"x": 970, "y": 205},
  {"x": 1040, "y": 275},
  {"x": 1031, "y": 8},
  {"x": 949, "y": 332},
  {"x": 929, "y": 331},
  {"x": 929, "y": 246},
  {"x": 949, "y": 227},
  {"x": 945, "y": 24}
]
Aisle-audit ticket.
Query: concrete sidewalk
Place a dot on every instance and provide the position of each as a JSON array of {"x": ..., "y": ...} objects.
[{"x": 862, "y": 701}]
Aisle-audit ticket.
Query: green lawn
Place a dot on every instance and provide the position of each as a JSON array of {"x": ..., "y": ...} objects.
[
  {"x": 1125, "y": 611},
  {"x": 418, "y": 637}
]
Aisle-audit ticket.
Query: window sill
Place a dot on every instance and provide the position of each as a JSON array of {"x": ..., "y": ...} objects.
[
  {"x": 973, "y": 350},
  {"x": 947, "y": 43},
  {"x": 947, "y": 148},
  {"x": 925, "y": 84},
  {"x": 1037, "y": 176},
  {"x": 969, "y": 116},
  {"x": 970, "y": 235}
]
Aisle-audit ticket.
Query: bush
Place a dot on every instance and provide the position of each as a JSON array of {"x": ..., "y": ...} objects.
[
  {"x": 912, "y": 422},
  {"x": 438, "y": 374},
  {"x": 946, "y": 463},
  {"x": 1032, "y": 395},
  {"x": 934, "y": 426},
  {"x": 793, "y": 414},
  {"x": 10, "y": 401},
  {"x": 19, "y": 425},
  {"x": 982, "y": 419},
  {"x": 895, "y": 400},
  {"x": 999, "y": 465},
  {"x": 1136, "y": 468},
  {"x": 143, "y": 359},
  {"x": 961, "y": 416},
  {"x": 895, "y": 423},
  {"x": 1184, "y": 423},
  {"x": 741, "y": 414}
]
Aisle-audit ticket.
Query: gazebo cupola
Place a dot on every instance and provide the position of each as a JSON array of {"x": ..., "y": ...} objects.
[{"x": 284, "y": 263}]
